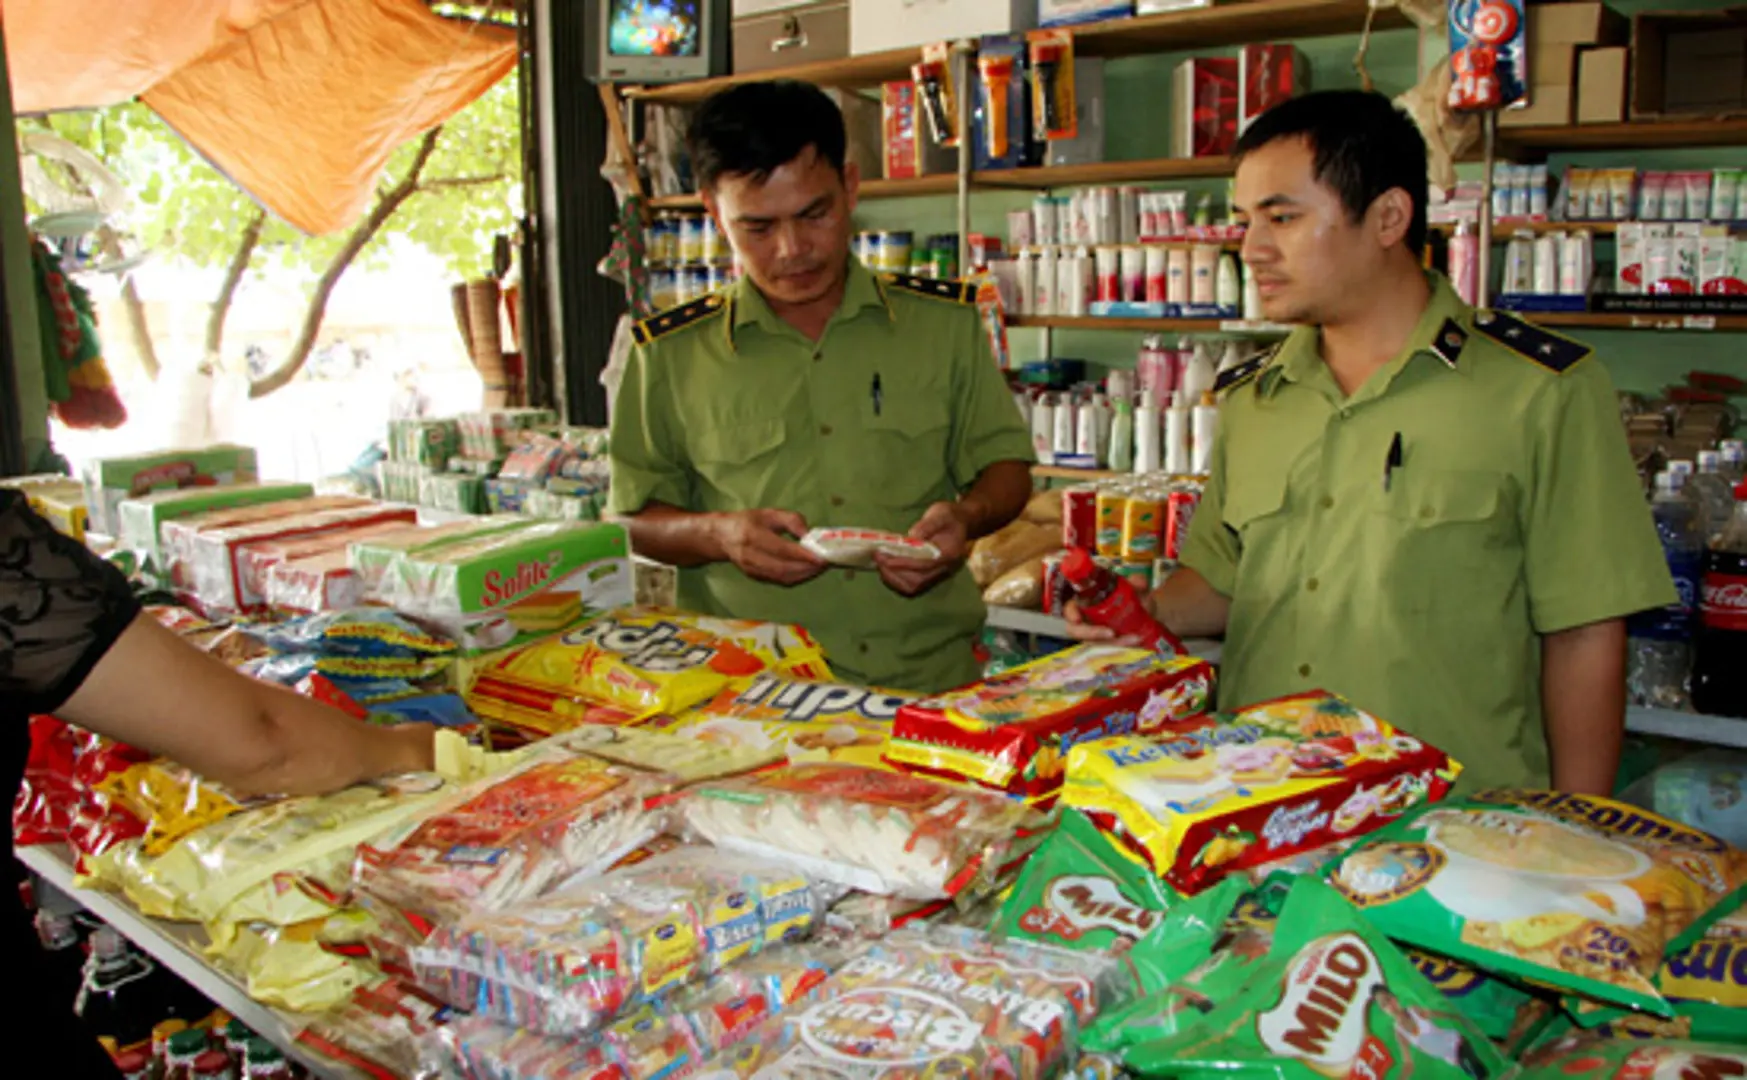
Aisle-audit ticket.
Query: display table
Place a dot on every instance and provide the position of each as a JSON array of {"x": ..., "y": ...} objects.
[
  {"x": 1021, "y": 621},
  {"x": 177, "y": 946}
]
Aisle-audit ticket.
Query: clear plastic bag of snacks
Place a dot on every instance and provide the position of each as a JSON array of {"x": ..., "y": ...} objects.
[
  {"x": 865, "y": 829},
  {"x": 571, "y": 962}
]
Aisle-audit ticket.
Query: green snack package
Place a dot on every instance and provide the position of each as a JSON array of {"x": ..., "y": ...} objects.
[
  {"x": 140, "y": 520},
  {"x": 1581, "y": 894},
  {"x": 1333, "y": 998},
  {"x": 1502, "y": 1011},
  {"x": 1080, "y": 892},
  {"x": 1706, "y": 983},
  {"x": 1202, "y": 952},
  {"x": 1597, "y": 1057}
]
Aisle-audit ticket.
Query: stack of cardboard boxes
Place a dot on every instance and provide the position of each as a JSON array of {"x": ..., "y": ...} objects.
[{"x": 1577, "y": 66}]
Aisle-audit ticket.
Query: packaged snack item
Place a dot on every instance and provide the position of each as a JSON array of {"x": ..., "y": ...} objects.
[
  {"x": 110, "y": 480},
  {"x": 371, "y": 559},
  {"x": 379, "y": 641},
  {"x": 48, "y": 796},
  {"x": 857, "y": 547},
  {"x": 289, "y": 971},
  {"x": 215, "y": 573},
  {"x": 1579, "y": 893},
  {"x": 1602, "y": 1058},
  {"x": 774, "y": 714},
  {"x": 141, "y": 519},
  {"x": 1705, "y": 983},
  {"x": 310, "y": 573},
  {"x": 1081, "y": 892},
  {"x": 645, "y": 661},
  {"x": 778, "y": 646},
  {"x": 169, "y": 799},
  {"x": 1502, "y": 1011},
  {"x": 936, "y": 1003},
  {"x": 1014, "y": 732},
  {"x": 1333, "y": 998},
  {"x": 1314, "y": 861},
  {"x": 176, "y": 535},
  {"x": 510, "y": 838},
  {"x": 686, "y": 759},
  {"x": 501, "y": 589},
  {"x": 1208, "y": 797},
  {"x": 862, "y": 828},
  {"x": 377, "y": 1033},
  {"x": 569, "y": 963}
]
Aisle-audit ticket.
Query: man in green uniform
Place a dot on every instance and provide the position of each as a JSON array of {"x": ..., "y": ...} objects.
[
  {"x": 814, "y": 394},
  {"x": 1427, "y": 509}
]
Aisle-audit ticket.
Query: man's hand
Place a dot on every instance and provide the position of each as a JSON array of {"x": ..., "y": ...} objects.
[
  {"x": 943, "y": 525},
  {"x": 1081, "y": 630},
  {"x": 762, "y": 544}
]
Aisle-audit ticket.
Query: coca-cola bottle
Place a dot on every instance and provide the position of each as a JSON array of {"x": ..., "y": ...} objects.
[{"x": 1719, "y": 669}]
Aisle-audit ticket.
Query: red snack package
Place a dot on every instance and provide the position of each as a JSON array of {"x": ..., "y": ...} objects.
[{"x": 48, "y": 798}]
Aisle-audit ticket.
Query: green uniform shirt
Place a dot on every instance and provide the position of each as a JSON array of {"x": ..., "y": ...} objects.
[
  {"x": 726, "y": 407},
  {"x": 1418, "y": 591}
]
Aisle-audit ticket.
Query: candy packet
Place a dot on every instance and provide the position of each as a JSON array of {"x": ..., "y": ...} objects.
[
  {"x": 862, "y": 828},
  {"x": 936, "y": 1003},
  {"x": 1013, "y": 732},
  {"x": 1207, "y": 797},
  {"x": 856, "y": 548},
  {"x": 1333, "y": 998},
  {"x": 1577, "y": 893},
  {"x": 377, "y": 1032},
  {"x": 362, "y": 633},
  {"x": 1590, "y": 1055},
  {"x": 1078, "y": 891},
  {"x": 569, "y": 963}
]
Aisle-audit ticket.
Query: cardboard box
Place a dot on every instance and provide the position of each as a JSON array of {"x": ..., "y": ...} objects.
[
  {"x": 1547, "y": 105},
  {"x": 1689, "y": 63},
  {"x": 1601, "y": 84},
  {"x": 141, "y": 520},
  {"x": 1552, "y": 65},
  {"x": 1575, "y": 24},
  {"x": 1204, "y": 106},
  {"x": 1268, "y": 75}
]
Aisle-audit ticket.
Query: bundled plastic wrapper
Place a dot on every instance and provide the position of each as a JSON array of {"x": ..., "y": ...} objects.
[
  {"x": 865, "y": 829},
  {"x": 214, "y": 573},
  {"x": 777, "y": 716},
  {"x": 687, "y": 760},
  {"x": 665, "y": 1040},
  {"x": 569, "y": 963},
  {"x": 513, "y": 837},
  {"x": 936, "y": 1003},
  {"x": 1599, "y": 1057},
  {"x": 377, "y": 1032}
]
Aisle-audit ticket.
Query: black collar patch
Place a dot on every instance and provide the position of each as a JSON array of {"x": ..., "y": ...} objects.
[
  {"x": 1549, "y": 350},
  {"x": 1448, "y": 344},
  {"x": 666, "y": 322}
]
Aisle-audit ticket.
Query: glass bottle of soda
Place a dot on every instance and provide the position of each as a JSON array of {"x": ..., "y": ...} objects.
[{"x": 1719, "y": 669}]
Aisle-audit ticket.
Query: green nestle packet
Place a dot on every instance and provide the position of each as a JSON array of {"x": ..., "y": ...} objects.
[
  {"x": 1581, "y": 894},
  {"x": 1706, "y": 983},
  {"x": 1333, "y": 997},
  {"x": 1596, "y": 1056},
  {"x": 1080, "y": 891},
  {"x": 1504, "y": 1012}
]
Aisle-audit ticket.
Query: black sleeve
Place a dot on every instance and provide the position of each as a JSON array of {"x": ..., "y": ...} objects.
[{"x": 61, "y": 608}]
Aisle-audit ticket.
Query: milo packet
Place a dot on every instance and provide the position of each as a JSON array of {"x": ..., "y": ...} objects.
[
  {"x": 1584, "y": 895},
  {"x": 1503, "y": 1012},
  {"x": 1078, "y": 890},
  {"x": 1333, "y": 998},
  {"x": 1589, "y": 1054}
]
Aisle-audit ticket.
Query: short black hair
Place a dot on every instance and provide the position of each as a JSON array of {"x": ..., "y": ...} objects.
[
  {"x": 1362, "y": 145},
  {"x": 756, "y": 127}
]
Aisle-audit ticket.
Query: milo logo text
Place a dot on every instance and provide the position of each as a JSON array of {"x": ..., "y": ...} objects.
[
  {"x": 501, "y": 588},
  {"x": 1608, "y": 816},
  {"x": 1181, "y": 745},
  {"x": 1321, "y": 1017},
  {"x": 803, "y": 701},
  {"x": 657, "y": 648},
  {"x": 1075, "y": 904}
]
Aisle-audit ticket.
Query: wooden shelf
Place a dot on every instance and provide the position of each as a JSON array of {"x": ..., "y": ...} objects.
[
  {"x": 1501, "y": 230},
  {"x": 1197, "y": 28},
  {"x": 1099, "y": 322},
  {"x": 1593, "y": 320},
  {"x": 1105, "y": 172},
  {"x": 1636, "y": 135},
  {"x": 939, "y": 184},
  {"x": 1058, "y": 472}
]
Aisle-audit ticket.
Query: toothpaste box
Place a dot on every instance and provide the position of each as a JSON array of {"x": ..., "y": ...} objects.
[
  {"x": 110, "y": 480},
  {"x": 1720, "y": 262}
]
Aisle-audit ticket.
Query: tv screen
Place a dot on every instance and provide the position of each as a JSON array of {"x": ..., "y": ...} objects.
[{"x": 654, "y": 27}]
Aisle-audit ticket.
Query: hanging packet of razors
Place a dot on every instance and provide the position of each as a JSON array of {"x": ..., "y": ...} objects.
[
  {"x": 1079, "y": 892},
  {"x": 1579, "y": 893},
  {"x": 1333, "y": 998}
]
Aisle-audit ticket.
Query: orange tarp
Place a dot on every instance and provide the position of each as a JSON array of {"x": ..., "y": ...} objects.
[{"x": 300, "y": 102}]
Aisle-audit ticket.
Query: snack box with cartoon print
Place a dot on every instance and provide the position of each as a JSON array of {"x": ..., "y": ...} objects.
[
  {"x": 142, "y": 519},
  {"x": 110, "y": 480},
  {"x": 1224, "y": 793},
  {"x": 372, "y": 560},
  {"x": 1013, "y": 732},
  {"x": 505, "y": 589}
]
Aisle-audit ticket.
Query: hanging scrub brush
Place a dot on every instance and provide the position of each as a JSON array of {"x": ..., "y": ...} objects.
[{"x": 80, "y": 391}]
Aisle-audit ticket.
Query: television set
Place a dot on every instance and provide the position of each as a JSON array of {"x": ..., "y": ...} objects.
[{"x": 653, "y": 41}]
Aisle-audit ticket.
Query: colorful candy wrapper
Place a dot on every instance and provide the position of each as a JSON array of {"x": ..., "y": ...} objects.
[
  {"x": 1503, "y": 1012},
  {"x": 936, "y": 1003},
  {"x": 571, "y": 962},
  {"x": 171, "y": 800},
  {"x": 797, "y": 719},
  {"x": 1705, "y": 983},
  {"x": 374, "y": 634},
  {"x": 1577, "y": 893},
  {"x": 1211, "y": 796},
  {"x": 1013, "y": 732},
  {"x": 864, "y": 829},
  {"x": 1589, "y": 1055},
  {"x": 1333, "y": 998},
  {"x": 1080, "y": 892}
]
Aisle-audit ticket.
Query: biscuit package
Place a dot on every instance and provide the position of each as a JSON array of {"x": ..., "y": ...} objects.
[
  {"x": 1578, "y": 893},
  {"x": 499, "y": 589},
  {"x": 941, "y": 1002},
  {"x": 795, "y": 719},
  {"x": 1207, "y": 797},
  {"x": 687, "y": 760},
  {"x": 141, "y": 519},
  {"x": 1080, "y": 892},
  {"x": 865, "y": 829},
  {"x": 1333, "y": 998},
  {"x": 857, "y": 547},
  {"x": 370, "y": 560},
  {"x": 570, "y": 962},
  {"x": 108, "y": 481},
  {"x": 1705, "y": 983},
  {"x": 1013, "y": 732}
]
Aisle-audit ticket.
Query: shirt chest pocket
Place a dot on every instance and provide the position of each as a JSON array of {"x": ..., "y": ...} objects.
[
  {"x": 1450, "y": 539},
  {"x": 739, "y": 465},
  {"x": 906, "y": 462}
]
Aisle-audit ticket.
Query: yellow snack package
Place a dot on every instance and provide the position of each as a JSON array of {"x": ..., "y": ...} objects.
[
  {"x": 289, "y": 971},
  {"x": 797, "y": 719},
  {"x": 687, "y": 760},
  {"x": 171, "y": 800}
]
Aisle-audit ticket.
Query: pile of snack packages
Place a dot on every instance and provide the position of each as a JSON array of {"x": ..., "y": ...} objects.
[
  {"x": 503, "y": 461},
  {"x": 657, "y": 844}
]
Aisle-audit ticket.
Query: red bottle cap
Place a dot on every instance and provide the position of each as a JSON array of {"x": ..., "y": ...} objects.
[{"x": 1077, "y": 566}]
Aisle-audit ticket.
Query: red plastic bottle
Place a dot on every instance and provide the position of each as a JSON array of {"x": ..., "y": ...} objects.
[
  {"x": 1719, "y": 664},
  {"x": 1105, "y": 599}
]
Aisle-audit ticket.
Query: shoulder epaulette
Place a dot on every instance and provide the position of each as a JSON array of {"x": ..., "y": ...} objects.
[
  {"x": 1549, "y": 350},
  {"x": 666, "y": 322},
  {"x": 960, "y": 292},
  {"x": 1233, "y": 377}
]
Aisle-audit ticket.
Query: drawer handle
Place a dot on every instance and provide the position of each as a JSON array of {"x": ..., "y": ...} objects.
[{"x": 793, "y": 36}]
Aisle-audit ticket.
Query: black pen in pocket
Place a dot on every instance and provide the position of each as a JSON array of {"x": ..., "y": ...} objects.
[
  {"x": 1392, "y": 462},
  {"x": 874, "y": 393}
]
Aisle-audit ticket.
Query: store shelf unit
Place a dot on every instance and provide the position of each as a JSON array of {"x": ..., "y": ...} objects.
[
  {"x": 1591, "y": 320},
  {"x": 177, "y": 946},
  {"x": 1527, "y": 142},
  {"x": 1691, "y": 727}
]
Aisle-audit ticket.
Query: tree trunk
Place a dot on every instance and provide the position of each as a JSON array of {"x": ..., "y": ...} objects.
[
  {"x": 227, "y": 290},
  {"x": 387, "y": 203}
]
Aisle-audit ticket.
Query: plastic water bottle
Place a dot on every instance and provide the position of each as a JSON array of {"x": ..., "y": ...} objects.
[
  {"x": 1659, "y": 660},
  {"x": 1714, "y": 494},
  {"x": 1734, "y": 453}
]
